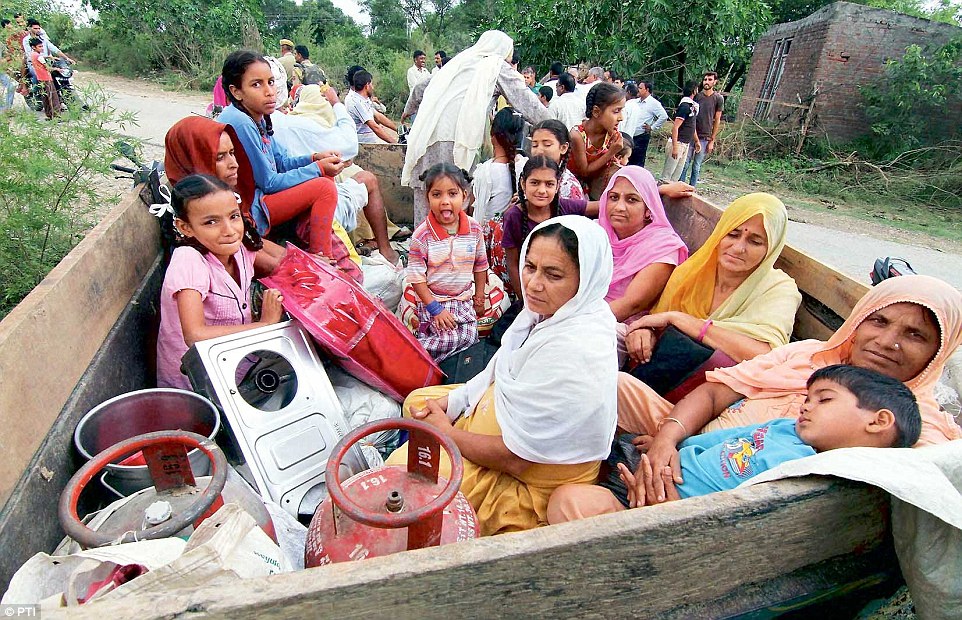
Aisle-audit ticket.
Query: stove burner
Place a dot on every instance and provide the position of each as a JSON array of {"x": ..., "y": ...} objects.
[{"x": 269, "y": 380}]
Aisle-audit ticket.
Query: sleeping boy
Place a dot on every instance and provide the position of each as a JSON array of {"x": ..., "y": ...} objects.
[{"x": 846, "y": 407}]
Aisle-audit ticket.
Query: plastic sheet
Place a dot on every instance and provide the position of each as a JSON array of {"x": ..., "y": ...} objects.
[{"x": 358, "y": 332}]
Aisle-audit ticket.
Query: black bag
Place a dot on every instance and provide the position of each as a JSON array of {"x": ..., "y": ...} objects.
[
  {"x": 504, "y": 322},
  {"x": 678, "y": 365},
  {"x": 468, "y": 363},
  {"x": 675, "y": 358},
  {"x": 622, "y": 451},
  {"x": 889, "y": 267}
]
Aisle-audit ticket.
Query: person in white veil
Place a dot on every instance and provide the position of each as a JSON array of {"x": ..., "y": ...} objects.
[
  {"x": 544, "y": 411},
  {"x": 451, "y": 122}
]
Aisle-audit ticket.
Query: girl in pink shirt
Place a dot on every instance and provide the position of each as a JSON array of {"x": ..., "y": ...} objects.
[{"x": 207, "y": 287}]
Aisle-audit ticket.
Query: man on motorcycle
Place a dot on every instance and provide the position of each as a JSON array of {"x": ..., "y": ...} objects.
[{"x": 49, "y": 49}]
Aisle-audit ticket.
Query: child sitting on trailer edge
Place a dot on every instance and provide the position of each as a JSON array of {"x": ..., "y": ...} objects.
[
  {"x": 846, "y": 407},
  {"x": 447, "y": 260}
]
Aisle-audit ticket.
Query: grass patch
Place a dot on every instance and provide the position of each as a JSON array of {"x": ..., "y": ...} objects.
[{"x": 837, "y": 194}]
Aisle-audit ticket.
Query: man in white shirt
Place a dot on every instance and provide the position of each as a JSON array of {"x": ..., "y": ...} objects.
[
  {"x": 629, "y": 114},
  {"x": 417, "y": 72},
  {"x": 595, "y": 75},
  {"x": 49, "y": 49},
  {"x": 650, "y": 117},
  {"x": 372, "y": 126},
  {"x": 567, "y": 106}
]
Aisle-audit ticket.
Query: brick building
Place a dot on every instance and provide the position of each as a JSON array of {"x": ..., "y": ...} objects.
[{"x": 837, "y": 49}]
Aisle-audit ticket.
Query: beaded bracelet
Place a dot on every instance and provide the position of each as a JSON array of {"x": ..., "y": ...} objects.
[{"x": 434, "y": 308}]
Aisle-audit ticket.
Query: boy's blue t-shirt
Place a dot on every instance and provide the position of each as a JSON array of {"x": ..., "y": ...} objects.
[{"x": 723, "y": 459}]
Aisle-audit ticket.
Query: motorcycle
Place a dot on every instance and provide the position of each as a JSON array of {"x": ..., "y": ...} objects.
[{"x": 62, "y": 74}]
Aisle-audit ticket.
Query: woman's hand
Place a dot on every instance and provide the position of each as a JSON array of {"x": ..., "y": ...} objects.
[
  {"x": 435, "y": 414},
  {"x": 676, "y": 189},
  {"x": 272, "y": 308},
  {"x": 663, "y": 454},
  {"x": 640, "y": 343},
  {"x": 445, "y": 321},
  {"x": 641, "y": 484},
  {"x": 643, "y": 335}
]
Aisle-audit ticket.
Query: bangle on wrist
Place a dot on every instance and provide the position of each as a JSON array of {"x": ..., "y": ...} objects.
[
  {"x": 704, "y": 330},
  {"x": 434, "y": 308},
  {"x": 676, "y": 421}
]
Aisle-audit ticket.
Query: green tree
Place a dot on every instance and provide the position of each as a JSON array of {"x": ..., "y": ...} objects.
[
  {"x": 652, "y": 38},
  {"x": 310, "y": 23},
  {"x": 919, "y": 102},
  {"x": 389, "y": 24},
  {"x": 172, "y": 35},
  {"x": 47, "y": 188}
]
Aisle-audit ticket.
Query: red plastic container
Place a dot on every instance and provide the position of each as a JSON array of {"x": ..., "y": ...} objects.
[{"x": 355, "y": 329}]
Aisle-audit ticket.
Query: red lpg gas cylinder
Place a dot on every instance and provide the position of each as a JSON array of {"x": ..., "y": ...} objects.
[
  {"x": 174, "y": 506},
  {"x": 390, "y": 509}
]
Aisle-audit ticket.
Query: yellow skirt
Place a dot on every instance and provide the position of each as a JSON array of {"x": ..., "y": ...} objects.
[{"x": 503, "y": 503}]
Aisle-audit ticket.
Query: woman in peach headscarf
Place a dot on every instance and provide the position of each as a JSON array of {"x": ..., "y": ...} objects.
[{"x": 906, "y": 328}]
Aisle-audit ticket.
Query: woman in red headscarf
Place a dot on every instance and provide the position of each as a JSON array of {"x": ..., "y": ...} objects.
[{"x": 199, "y": 145}]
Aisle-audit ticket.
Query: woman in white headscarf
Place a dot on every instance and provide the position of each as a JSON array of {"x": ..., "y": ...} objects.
[
  {"x": 451, "y": 122},
  {"x": 543, "y": 412}
]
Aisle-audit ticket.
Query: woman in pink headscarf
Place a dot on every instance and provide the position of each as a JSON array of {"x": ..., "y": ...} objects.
[{"x": 645, "y": 247}]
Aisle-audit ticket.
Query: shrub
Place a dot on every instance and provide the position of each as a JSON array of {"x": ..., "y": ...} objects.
[
  {"x": 918, "y": 101},
  {"x": 48, "y": 174}
]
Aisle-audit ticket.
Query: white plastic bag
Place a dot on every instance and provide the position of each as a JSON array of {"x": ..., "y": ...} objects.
[
  {"x": 382, "y": 279},
  {"x": 362, "y": 404},
  {"x": 227, "y": 546},
  {"x": 48, "y": 577}
]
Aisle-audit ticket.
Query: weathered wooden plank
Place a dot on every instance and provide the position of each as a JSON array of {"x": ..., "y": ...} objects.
[
  {"x": 667, "y": 561},
  {"x": 48, "y": 340},
  {"x": 386, "y": 162},
  {"x": 123, "y": 363},
  {"x": 831, "y": 287}
]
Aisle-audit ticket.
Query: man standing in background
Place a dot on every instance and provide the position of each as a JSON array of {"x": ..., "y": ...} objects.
[
  {"x": 417, "y": 72},
  {"x": 287, "y": 59},
  {"x": 707, "y": 124},
  {"x": 439, "y": 57},
  {"x": 650, "y": 116}
]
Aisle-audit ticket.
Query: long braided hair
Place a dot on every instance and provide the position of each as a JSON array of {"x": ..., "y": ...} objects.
[
  {"x": 538, "y": 162},
  {"x": 560, "y": 133},
  {"x": 235, "y": 65},
  {"x": 602, "y": 95},
  {"x": 507, "y": 130},
  {"x": 194, "y": 187}
]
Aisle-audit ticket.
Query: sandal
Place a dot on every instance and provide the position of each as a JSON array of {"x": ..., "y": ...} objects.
[
  {"x": 365, "y": 247},
  {"x": 403, "y": 233}
]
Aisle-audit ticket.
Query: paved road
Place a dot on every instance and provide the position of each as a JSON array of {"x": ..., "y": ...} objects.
[
  {"x": 854, "y": 253},
  {"x": 847, "y": 250}
]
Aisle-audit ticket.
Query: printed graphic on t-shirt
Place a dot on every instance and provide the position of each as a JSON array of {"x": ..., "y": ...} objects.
[{"x": 737, "y": 456}]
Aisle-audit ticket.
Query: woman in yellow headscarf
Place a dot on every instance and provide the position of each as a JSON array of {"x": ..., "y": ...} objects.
[{"x": 728, "y": 295}]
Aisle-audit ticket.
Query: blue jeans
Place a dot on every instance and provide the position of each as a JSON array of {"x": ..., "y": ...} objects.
[{"x": 695, "y": 160}]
